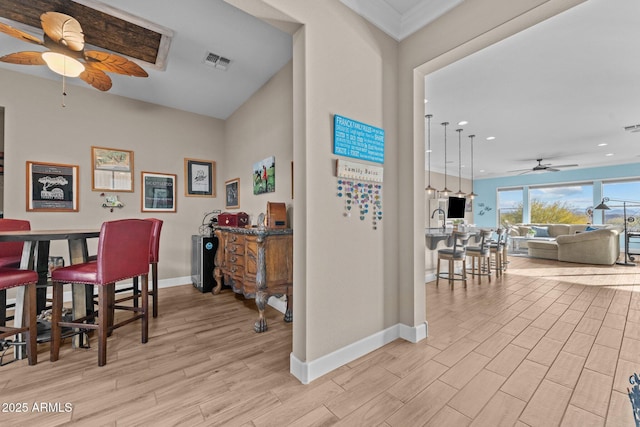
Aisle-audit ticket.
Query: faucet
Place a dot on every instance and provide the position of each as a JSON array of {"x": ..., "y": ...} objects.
[{"x": 444, "y": 223}]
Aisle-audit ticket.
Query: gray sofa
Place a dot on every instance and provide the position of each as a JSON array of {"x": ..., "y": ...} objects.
[{"x": 590, "y": 247}]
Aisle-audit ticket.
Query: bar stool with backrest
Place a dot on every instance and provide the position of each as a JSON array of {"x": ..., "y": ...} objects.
[
  {"x": 481, "y": 253},
  {"x": 498, "y": 250},
  {"x": 14, "y": 277},
  {"x": 10, "y": 256},
  {"x": 123, "y": 253},
  {"x": 452, "y": 254},
  {"x": 154, "y": 251}
]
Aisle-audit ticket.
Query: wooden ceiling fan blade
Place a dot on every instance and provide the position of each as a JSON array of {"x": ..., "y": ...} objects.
[
  {"x": 63, "y": 29},
  {"x": 21, "y": 35},
  {"x": 24, "y": 58},
  {"x": 112, "y": 63},
  {"x": 96, "y": 78}
]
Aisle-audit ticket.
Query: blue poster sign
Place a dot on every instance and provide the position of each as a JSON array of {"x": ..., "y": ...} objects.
[{"x": 358, "y": 140}]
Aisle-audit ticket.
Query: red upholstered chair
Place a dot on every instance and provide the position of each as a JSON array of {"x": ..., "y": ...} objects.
[
  {"x": 11, "y": 252},
  {"x": 10, "y": 256},
  {"x": 123, "y": 253},
  {"x": 11, "y": 278},
  {"x": 154, "y": 251}
]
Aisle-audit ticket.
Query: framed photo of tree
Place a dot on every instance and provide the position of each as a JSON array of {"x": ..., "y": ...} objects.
[{"x": 52, "y": 187}]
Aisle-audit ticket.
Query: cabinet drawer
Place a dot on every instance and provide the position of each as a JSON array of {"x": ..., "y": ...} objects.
[
  {"x": 235, "y": 249},
  {"x": 236, "y": 238}
]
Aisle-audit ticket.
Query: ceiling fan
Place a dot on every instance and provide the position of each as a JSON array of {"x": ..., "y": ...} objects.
[
  {"x": 547, "y": 167},
  {"x": 64, "y": 38}
]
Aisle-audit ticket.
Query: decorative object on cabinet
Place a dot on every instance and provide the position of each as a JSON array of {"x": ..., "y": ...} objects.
[
  {"x": 264, "y": 176},
  {"x": 257, "y": 263},
  {"x": 158, "y": 192},
  {"x": 52, "y": 187},
  {"x": 111, "y": 169},
  {"x": 238, "y": 219},
  {"x": 199, "y": 178},
  {"x": 276, "y": 215},
  {"x": 232, "y": 193}
]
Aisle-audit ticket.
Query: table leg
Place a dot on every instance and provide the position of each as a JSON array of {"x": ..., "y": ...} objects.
[{"x": 26, "y": 263}]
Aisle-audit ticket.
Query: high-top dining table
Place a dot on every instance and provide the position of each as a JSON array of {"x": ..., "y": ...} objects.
[{"x": 35, "y": 256}]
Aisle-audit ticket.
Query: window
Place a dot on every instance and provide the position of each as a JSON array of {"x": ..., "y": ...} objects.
[
  {"x": 510, "y": 206},
  {"x": 622, "y": 194},
  {"x": 562, "y": 204}
]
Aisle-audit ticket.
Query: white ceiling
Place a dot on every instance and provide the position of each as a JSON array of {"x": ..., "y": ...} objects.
[
  {"x": 256, "y": 50},
  {"x": 554, "y": 91}
]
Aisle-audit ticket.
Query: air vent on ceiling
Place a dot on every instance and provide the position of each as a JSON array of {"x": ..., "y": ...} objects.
[
  {"x": 217, "y": 61},
  {"x": 632, "y": 128}
]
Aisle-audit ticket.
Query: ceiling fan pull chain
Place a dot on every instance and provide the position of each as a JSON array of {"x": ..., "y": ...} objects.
[{"x": 64, "y": 89}]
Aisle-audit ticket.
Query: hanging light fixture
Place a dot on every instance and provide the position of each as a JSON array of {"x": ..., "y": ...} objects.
[
  {"x": 460, "y": 193},
  {"x": 472, "y": 195},
  {"x": 445, "y": 192},
  {"x": 430, "y": 190}
]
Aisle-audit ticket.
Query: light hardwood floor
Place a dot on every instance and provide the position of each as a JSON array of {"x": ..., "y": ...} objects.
[{"x": 535, "y": 348}]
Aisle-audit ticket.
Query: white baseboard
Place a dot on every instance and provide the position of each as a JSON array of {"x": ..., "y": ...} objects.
[
  {"x": 163, "y": 283},
  {"x": 306, "y": 372}
]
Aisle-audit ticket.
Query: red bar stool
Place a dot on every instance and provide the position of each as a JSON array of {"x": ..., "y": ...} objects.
[
  {"x": 123, "y": 253},
  {"x": 11, "y": 278},
  {"x": 10, "y": 256},
  {"x": 154, "y": 252}
]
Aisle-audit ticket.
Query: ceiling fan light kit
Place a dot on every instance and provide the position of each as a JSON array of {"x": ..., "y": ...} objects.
[{"x": 66, "y": 55}]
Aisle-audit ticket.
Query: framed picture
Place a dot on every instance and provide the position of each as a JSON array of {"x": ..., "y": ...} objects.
[
  {"x": 199, "y": 178},
  {"x": 111, "y": 169},
  {"x": 52, "y": 187},
  {"x": 264, "y": 176},
  {"x": 232, "y": 193},
  {"x": 158, "y": 192}
]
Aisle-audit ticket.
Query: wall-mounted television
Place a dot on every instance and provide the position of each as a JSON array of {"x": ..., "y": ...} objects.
[{"x": 456, "y": 207}]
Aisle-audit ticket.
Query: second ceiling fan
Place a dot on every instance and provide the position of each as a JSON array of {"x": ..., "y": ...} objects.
[{"x": 540, "y": 167}]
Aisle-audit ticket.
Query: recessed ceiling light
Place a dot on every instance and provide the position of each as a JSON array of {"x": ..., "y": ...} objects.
[
  {"x": 429, "y": 151},
  {"x": 491, "y": 138},
  {"x": 463, "y": 122},
  {"x": 609, "y": 154},
  {"x": 426, "y": 100},
  {"x": 602, "y": 144},
  {"x": 481, "y": 170}
]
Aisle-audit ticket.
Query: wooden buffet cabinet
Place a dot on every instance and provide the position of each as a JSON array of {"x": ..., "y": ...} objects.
[{"x": 257, "y": 263}]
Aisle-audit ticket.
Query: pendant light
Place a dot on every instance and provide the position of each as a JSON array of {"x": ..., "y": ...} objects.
[
  {"x": 430, "y": 190},
  {"x": 460, "y": 193},
  {"x": 472, "y": 195},
  {"x": 445, "y": 192}
]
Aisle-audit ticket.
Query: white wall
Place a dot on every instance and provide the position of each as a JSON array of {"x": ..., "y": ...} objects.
[
  {"x": 261, "y": 128},
  {"x": 37, "y": 128}
]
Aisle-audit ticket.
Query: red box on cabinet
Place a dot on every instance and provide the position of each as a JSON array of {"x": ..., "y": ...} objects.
[{"x": 239, "y": 219}]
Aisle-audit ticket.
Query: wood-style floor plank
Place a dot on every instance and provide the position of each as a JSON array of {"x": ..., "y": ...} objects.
[{"x": 548, "y": 344}]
